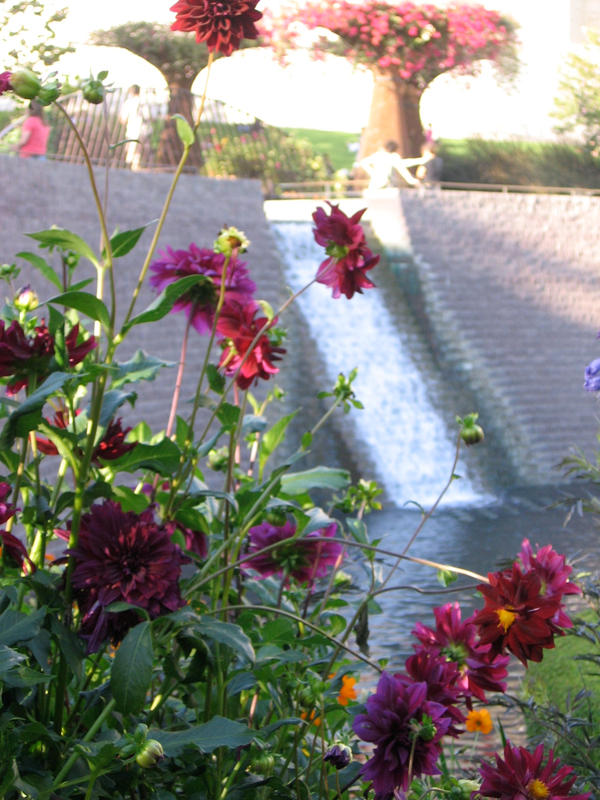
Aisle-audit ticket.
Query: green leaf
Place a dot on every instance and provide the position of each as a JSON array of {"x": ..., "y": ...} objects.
[
  {"x": 162, "y": 458},
  {"x": 140, "y": 367},
  {"x": 228, "y": 415},
  {"x": 112, "y": 401},
  {"x": 9, "y": 658},
  {"x": 272, "y": 439},
  {"x": 131, "y": 672},
  {"x": 42, "y": 265},
  {"x": 28, "y": 415},
  {"x": 17, "y": 627},
  {"x": 65, "y": 240},
  {"x": 129, "y": 500},
  {"x": 317, "y": 478},
  {"x": 184, "y": 130},
  {"x": 227, "y": 633},
  {"x": 123, "y": 243},
  {"x": 165, "y": 301},
  {"x": 218, "y": 732},
  {"x": 216, "y": 380},
  {"x": 85, "y": 302}
]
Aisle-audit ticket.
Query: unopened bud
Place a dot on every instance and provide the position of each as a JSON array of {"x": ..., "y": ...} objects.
[
  {"x": 338, "y": 756},
  {"x": 151, "y": 753},
  {"x": 25, "y": 84},
  {"x": 470, "y": 431},
  {"x": 93, "y": 91},
  {"x": 230, "y": 239},
  {"x": 26, "y": 299}
]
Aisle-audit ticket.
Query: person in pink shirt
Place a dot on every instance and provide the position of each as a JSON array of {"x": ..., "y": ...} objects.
[{"x": 34, "y": 133}]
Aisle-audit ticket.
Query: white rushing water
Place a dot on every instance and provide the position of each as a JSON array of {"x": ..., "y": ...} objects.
[{"x": 408, "y": 441}]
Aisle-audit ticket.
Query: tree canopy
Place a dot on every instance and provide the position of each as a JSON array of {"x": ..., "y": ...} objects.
[
  {"x": 27, "y": 35},
  {"x": 577, "y": 105}
]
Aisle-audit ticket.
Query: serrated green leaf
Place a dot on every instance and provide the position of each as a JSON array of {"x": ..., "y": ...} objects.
[
  {"x": 295, "y": 483},
  {"x": 184, "y": 130},
  {"x": 140, "y": 367},
  {"x": 17, "y": 627},
  {"x": 129, "y": 500},
  {"x": 131, "y": 672},
  {"x": 216, "y": 380},
  {"x": 272, "y": 439},
  {"x": 162, "y": 457},
  {"x": 65, "y": 240},
  {"x": 165, "y": 301},
  {"x": 227, "y": 633},
  {"x": 85, "y": 302},
  {"x": 217, "y": 732},
  {"x": 112, "y": 401},
  {"x": 123, "y": 243},
  {"x": 42, "y": 265},
  {"x": 228, "y": 415},
  {"x": 28, "y": 415}
]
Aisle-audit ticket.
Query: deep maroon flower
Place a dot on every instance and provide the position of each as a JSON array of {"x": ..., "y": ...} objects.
[
  {"x": 305, "y": 558},
  {"x": 553, "y": 572},
  {"x": 195, "y": 541},
  {"x": 5, "y": 82},
  {"x": 516, "y": 616},
  {"x": 400, "y": 722},
  {"x": 123, "y": 556},
  {"x": 113, "y": 445},
  {"x": 200, "y": 302},
  {"x": 24, "y": 356},
  {"x": 238, "y": 326},
  {"x": 348, "y": 257},
  {"x": 14, "y": 549},
  {"x": 7, "y": 509},
  {"x": 222, "y": 24},
  {"x": 522, "y": 775},
  {"x": 457, "y": 642}
]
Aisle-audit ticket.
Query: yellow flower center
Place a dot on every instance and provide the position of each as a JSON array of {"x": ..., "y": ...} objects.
[
  {"x": 506, "y": 617},
  {"x": 538, "y": 790}
]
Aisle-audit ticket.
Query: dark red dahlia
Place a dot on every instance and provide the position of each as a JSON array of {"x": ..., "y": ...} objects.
[
  {"x": 5, "y": 82},
  {"x": 401, "y": 722},
  {"x": 29, "y": 356},
  {"x": 222, "y": 24},
  {"x": 14, "y": 550},
  {"x": 348, "y": 257},
  {"x": 457, "y": 642},
  {"x": 522, "y": 775},
  {"x": 304, "y": 559},
  {"x": 238, "y": 326},
  {"x": 7, "y": 509},
  {"x": 195, "y": 541},
  {"x": 200, "y": 302},
  {"x": 123, "y": 556},
  {"x": 553, "y": 572},
  {"x": 516, "y": 616},
  {"x": 113, "y": 445}
]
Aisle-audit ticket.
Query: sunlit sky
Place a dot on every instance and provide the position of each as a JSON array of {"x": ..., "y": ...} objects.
[{"x": 329, "y": 94}]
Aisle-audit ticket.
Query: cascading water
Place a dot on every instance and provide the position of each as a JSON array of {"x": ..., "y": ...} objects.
[{"x": 408, "y": 441}]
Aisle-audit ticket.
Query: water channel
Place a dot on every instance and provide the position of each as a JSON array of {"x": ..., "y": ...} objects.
[{"x": 405, "y": 436}]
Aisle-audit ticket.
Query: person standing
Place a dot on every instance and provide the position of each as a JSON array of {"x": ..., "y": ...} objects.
[
  {"x": 34, "y": 133},
  {"x": 386, "y": 167}
]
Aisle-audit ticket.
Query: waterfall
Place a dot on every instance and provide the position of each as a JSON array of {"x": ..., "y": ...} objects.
[{"x": 407, "y": 439}]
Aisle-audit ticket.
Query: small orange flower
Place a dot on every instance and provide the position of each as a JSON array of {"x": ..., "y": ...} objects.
[
  {"x": 347, "y": 692},
  {"x": 312, "y": 717},
  {"x": 480, "y": 721}
]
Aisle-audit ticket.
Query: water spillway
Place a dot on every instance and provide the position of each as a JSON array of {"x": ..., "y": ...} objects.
[{"x": 409, "y": 442}]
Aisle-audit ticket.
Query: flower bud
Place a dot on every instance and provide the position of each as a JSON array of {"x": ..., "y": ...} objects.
[
  {"x": 263, "y": 764},
  {"x": 48, "y": 93},
  {"x": 470, "y": 431},
  {"x": 93, "y": 91},
  {"x": 25, "y": 84},
  {"x": 230, "y": 239},
  {"x": 151, "y": 753},
  {"x": 339, "y": 755},
  {"x": 26, "y": 299}
]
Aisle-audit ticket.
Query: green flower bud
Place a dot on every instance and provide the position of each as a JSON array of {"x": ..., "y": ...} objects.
[
  {"x": 151, "y": 753},
  {"x": 263, "y": 764},
  {"x": 230, "y": 239},
  {"x": 26, "y": 299},
  {"x": 48, "y": 93},
  {"x": 93, "y": 91},
  {"x": 25, "y": 83},
  {"x": 470, "y": 431}
]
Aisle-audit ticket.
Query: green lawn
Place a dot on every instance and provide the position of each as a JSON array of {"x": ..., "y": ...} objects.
[{"x": 331, "y": 143}]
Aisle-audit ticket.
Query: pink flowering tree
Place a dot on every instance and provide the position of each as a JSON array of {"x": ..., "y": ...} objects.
[{"x": 406, "y": 45}]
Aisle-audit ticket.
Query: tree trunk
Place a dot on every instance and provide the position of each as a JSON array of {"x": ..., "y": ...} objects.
[
  {"x": 170, "y": 148},
  {"x": 394, "y": 116}
]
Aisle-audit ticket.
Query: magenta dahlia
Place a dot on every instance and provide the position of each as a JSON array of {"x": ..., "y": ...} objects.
[
  {"x": 406, "y": 729},
  {"x": 457, "y": 642},
  {"x": 5, "y": 82},
  {"x": 517, "y": 616},
  {"x": 222, "y": 24},
  {"x": 348, "y": 257},
  {"x": 7, "y": 509},
  {"x": 237, "y": 327},
  {"x": 553, "y": 572},
  {"x": 304, "y": 559},
  {"x": 522, "y": 775},
  {"x": 200, "y": 302},
  {"x": 123, "y": 556}
]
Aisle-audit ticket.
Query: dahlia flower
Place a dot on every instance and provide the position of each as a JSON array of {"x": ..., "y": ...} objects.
[
  {"x": 441, "y": 678},
  {"x": 122, "y": 556},
  {"x": 200, "y": 302},
  {"x": 110, "y": 447},
  {"x": 7, "y": 509},
  {"x": 522, "y": 775},
  {"x": 238, "y": 326},
  {"x": 402, "y": 723},
  {"x": 457, "y": 642},
  {"x": 516, "y": 616},
  {"x": 348, "y": 257},
  {"x": 222, "y": 24},
  {"x": 592, "y": 376},
  {"x": 553, "y": 572},
  {"x": 304, "y": 559},
  {"x": 14, "y": 549},
  {"x": 5, "y": 82}
]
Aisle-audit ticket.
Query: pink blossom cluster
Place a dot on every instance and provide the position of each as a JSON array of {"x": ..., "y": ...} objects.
[{"x": 414, "y": 42}]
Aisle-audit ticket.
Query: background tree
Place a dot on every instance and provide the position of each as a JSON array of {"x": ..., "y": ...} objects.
[
  {"x": 577, "y": 105},
  {"x": 406, "y": 46},
  {"x": 179, "y": 58},
  {"x": 27, "y": 36}
]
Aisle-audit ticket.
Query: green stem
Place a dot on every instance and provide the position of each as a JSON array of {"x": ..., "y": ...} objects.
[{"x": 94, "y": 728}]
